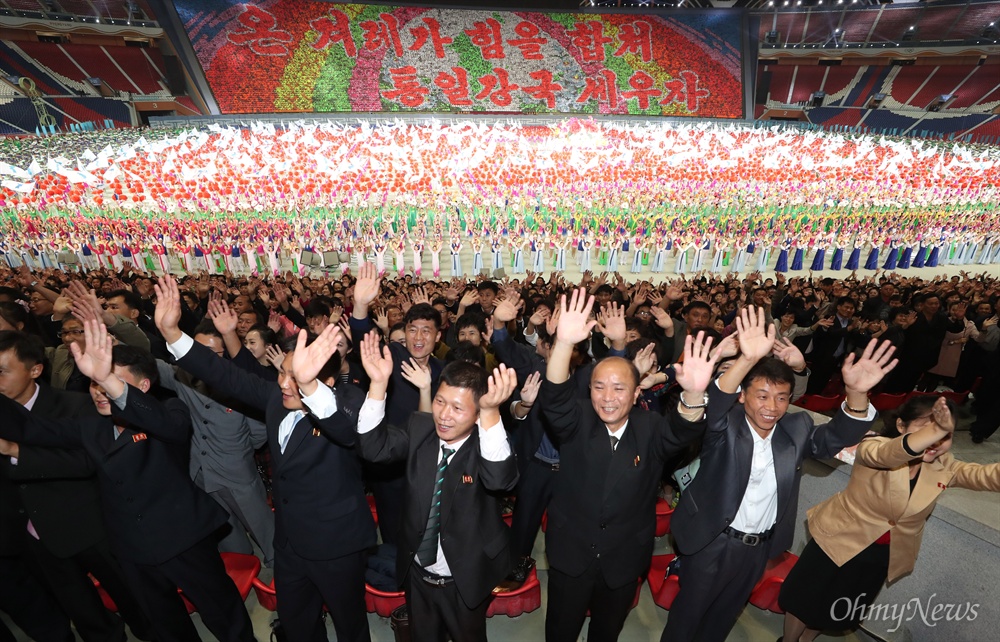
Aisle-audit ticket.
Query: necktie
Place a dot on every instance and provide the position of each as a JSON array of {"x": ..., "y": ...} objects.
[
  {"x": 427, "y": 552},
  {"x": 614, "y": 442}
]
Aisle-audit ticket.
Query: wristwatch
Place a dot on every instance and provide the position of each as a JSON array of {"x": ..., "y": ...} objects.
[
  {"x": 34, "y": 283},
  {"x": 703, "y": 404}
]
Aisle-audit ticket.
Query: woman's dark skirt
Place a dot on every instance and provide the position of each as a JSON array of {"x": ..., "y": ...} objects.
[{"x": 831, "y": 598}]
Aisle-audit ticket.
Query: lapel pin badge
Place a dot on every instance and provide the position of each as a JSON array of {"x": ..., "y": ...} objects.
[
  {"x": 136, "y": 438},
  {"x": 316, "y": 432},
  {"x": 635, "y": 462},
  {"x": 942, "y": 486},
  {"x": 466, "y": 479}
]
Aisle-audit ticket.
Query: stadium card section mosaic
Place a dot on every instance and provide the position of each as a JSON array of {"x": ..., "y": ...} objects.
[{"x": 300, "y": 56}]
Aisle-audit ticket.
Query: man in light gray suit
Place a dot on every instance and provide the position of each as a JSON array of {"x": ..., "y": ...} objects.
[{"x": 222, "y": 448}]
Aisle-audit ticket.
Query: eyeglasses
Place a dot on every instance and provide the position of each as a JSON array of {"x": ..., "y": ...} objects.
[{"x": 63, "y": 333}]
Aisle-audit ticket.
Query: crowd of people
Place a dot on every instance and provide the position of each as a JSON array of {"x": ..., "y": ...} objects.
[{"x": 154, "y": 421}]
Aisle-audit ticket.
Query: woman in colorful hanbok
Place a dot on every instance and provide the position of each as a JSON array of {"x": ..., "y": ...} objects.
[
  {"x": 719, "y": 253},
  {"x": 819, "y": 258},
  {"x": 614, "y": 250},
  {"x": 518, "y": 263},
  {"x": 662, "y": 247},
  {"x": 496, "y": 245},
  {"x": 872, "y": 262},
  {"x": 781, "y": 265},
  {"x": 891, "y": 256},
  {"x": 585, "y": 247},
  {"x": 477, "y": 255},
  {"x": 700, "y": 254},
  {"x": 637, "y": 250},
  {"x": 456, "y": 257},
  {"x": 435, "y": 258},
  {"x": 798, "y": 257},
  {"x": 537, "y": 254}
]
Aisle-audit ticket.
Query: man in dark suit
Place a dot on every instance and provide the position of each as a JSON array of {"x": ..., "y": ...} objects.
[
  {"x": 58, "y": 492},
  {"x": 740, "y": 510},
  {"x": 161, "y": 525},
  {"x": 602, "y": 517},
  {"x": 832, "y": 344},
  {"x": 423, "y": 331},
  {"x": 453, "y": 545},
  {"x": 323, "y": 526}
]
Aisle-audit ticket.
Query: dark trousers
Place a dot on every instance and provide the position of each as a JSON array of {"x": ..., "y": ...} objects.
[
  {"x": 304, "y": 586},
  {"x": 437, "y": 613},
  {"x": 715, "y": 584},
  {"x": 67, "y": 579},
  {"x": 571, "y": 597},
  {"x": 29, "y": 605},
  {"x": 388, "y": 484},
  {"x": 200, "y": 573},
  {"x": 534, "y": 492}
]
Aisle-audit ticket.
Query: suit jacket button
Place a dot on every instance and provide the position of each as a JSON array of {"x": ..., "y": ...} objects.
[
  {"x": 205, "y": 422},
  {"x": 892, "y": 522},
  {"x": 204, "y": 452},
  {"x": 204, "y": 436},
  {"x": 207, "y": 407},
  {"x": 284, "y": 501},
  {"x": 604, "y": 524}
]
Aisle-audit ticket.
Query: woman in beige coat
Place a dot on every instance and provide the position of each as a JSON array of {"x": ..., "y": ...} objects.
[{"x": 870, "y": 532}]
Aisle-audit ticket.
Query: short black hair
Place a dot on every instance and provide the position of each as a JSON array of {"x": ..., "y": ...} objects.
[
  {"x": 465, "y": 351},
  {"x": 317, "y": 307},
  {"x": 29, "y": 349},
  {"x": 14, "y": 313},
  {"x": 846, "y": 299},
  {"x": 207, "y": 327},
  {"x": 131, "y": 299},
  {"x": 423, "y": 312},
  {"x": 771, "y": 370},
  {"x": 267, "y": 335},
  {"x": 488, "y": 285},
  {"x": 471, "y": 319},
  {"x": 694, "y": 305},
  {"x": 138, "y": 361},
  {"x": 462, "y": 374},
  {"x": 604, "y": 288},
  {"x": 913, "y": 408}
]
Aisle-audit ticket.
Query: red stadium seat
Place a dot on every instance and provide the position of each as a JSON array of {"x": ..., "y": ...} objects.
[
  {"x": 526, "y": 599},
  {"x": 819, "y": 403},
  {"x": 382, "y": 602},
  {"x": 884, "y": 401},
  {"x": 765, "y": 594},
  {"x": 958, "y": 397},
  {"x": 265, "y": 594},
  {"x": 663, "y": 587},
  {"x": 241, "y": 568},
  {"x": 663, "y": 515}
]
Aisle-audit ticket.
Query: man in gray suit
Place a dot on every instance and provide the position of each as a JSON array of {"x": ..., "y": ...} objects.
[
  {"x": 740, "y": 510},
  {"x": 222, "y": 448}
]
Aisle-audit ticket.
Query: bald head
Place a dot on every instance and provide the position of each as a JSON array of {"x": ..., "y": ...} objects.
[{"x": 614, "y": 389}]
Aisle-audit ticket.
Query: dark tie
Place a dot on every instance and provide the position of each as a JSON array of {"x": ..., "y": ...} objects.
[
  {"x": 614, "y": 442},
  {"x": 427, "y": 552}
]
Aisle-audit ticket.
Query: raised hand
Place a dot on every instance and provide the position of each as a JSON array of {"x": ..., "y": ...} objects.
[
  {"x": 542, "y": 314},
  {"x": 695, "y": 373},
  {"x": 942, "y": 415},
  {"x": 223, "y": 317},
  {"x": 786, "y": 351},
  {"x": 644, "y": 359},
  {"x": 418, "y": 375},
  {"x": 368, "y": 285},
  {"x": 506, "y": 308},
  {"x": 863, "y": 374},
  {"x": 377, "y": 362},
  {"x": 662, "y": 318},
  {"x": 574, "y": 323},
  {"x": 274, "y": 356},
  {"x": 611, "y": 323},
  {"x": 502, "y": 384},
  {"x": 95, "y": 361},
  {"x": 168, "y": 308},
  {"x": 756, "y": 336},
  {"x": 529, "y": 391},
  {"x": 307, "y": 361}
]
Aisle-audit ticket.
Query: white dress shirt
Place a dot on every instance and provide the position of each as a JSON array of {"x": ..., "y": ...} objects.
[
  {"x": 493, "y": 446},
  {"x": 759, "y": 508}
]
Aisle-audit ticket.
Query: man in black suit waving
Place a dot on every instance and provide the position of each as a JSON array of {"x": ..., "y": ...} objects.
[
  {"x": 453, "y": 545},
  {"x": 161, "y": 525},
  {"x": 602, "y": 514},
  {"x": 741, "y": 508},
  {"x": 323, "y": 526}
]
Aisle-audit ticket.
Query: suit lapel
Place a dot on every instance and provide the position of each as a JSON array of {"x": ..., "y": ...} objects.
[
  {"x": 460, "y": 471},
  {"x": 933, "y": 479},
  {"x": 114, "y": 445},
  {"x": 743, "y": 446},
  {"x": 624, "y": 455},
  {"x": 301, "y": 429},
  {"x": 783, "y": 452}
]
